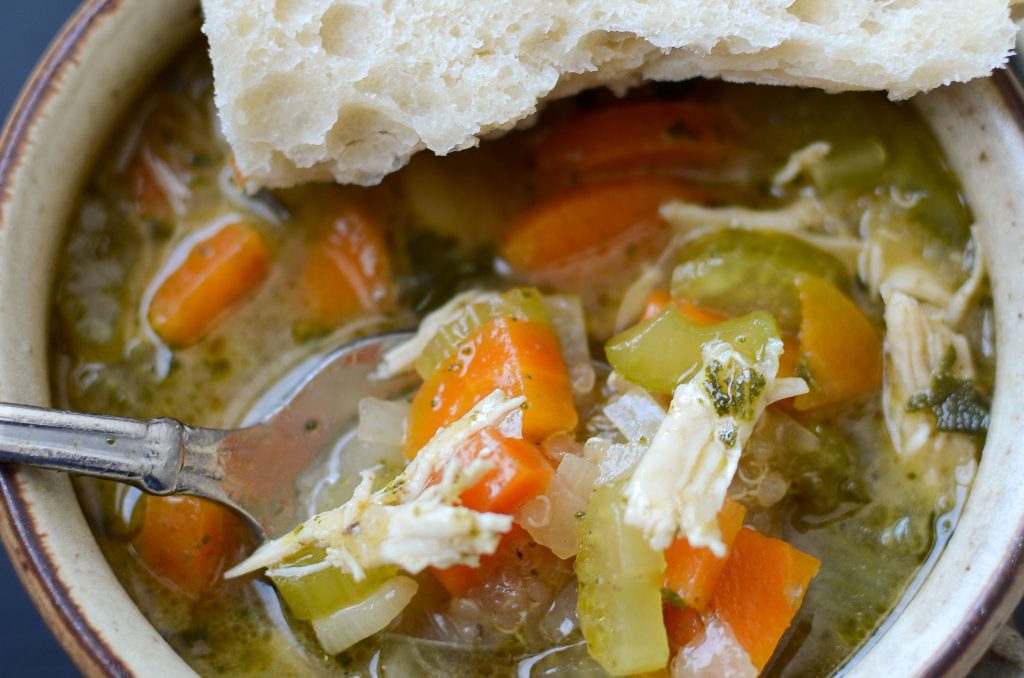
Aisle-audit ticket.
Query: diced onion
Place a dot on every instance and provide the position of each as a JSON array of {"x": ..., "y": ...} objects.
[
  {"x": 551, "y": 518},
  {"x": 341, "y": 630},
  {"x": 714, "y": 652},
  {"x": 382, "y": 421},
  {"x": 559, "y": 444},
  {"x": 635, "y": 298},
  {"x": 566, "y": 314},
  {"x": 613, "y": 460},
  {"x": 636, "y": 414}
]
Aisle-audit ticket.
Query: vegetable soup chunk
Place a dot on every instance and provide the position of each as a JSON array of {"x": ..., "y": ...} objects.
[{"x": 697, "y": 384}]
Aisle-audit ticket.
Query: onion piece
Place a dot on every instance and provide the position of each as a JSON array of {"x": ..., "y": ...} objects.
[
  {"x": 613, "y": 460},
  {"x": 383, "y": 421},
  {"x": 566, "y": 314},
  {"x": 635, "y": 299},
  {"x": 551, "y": 518},
  {"x": 714, "y": 652},
  {"x": 636, "y": 414},
  {"x": 341, "y": 630}
]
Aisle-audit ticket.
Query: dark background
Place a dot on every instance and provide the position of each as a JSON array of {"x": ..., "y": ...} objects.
[{"x": 27, "y": 647}]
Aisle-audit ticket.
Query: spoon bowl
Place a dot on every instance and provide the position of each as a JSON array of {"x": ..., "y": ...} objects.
[{"x": 252, "y": 470}]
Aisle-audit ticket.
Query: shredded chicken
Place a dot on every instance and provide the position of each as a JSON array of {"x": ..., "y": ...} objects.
[
  {"x": 680, "y": 483},
  {"x": 804, "y": 218},
  {"x": 411, "y": 522},
  {"x": 800, "y": 161},
  {"x": 798, "y": 216},
  {"x": 917, "y": 339}
]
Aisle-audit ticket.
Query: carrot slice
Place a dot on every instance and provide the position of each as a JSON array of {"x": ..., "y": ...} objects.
[
  {"x": 217, "y": 273},
  {"x": 520, "y": 473},
  {"x": 520, "y": 357},
  {"x": 660, "y": 299},
  {"x": 682, "y": 624},
  {"x": 691, "y": 573},
  {"x": 648, "y": 134},
  {"x": 186, "y": 543},
  {"x": 656, "y": 303},
  {"x": 760, "y": 590},
  {"x": 594, "y": 228},
  {"x": 457, "y": 580},
  {"x": 839, "y": 347},
  {"x": 349, "y": 270}
]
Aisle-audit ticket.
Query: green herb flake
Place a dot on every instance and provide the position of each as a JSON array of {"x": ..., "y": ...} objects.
[
  {"x": 728, "y": 436},
  {"x": 733, "y": 390},
  {"x": 673, "y": 598},
  {"x": 959, "y": 406}
]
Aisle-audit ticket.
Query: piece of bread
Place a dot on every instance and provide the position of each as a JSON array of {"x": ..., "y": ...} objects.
[{"x": 347, "y": 90}]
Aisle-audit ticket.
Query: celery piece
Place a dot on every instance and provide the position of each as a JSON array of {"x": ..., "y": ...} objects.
[
  {"x": 620, "y": 578},
  {"x": 524, "y": 303},
  {"x": 736, "y": 272},
  {"x": 666, "y": 350},
  {"x": 312, "y": 592}
]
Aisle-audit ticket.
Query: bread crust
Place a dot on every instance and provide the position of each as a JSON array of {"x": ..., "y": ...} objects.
[{"x": 348, "y": 90}]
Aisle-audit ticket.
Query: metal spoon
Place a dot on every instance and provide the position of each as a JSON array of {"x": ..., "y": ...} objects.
[{"x": 252, "y": 470}]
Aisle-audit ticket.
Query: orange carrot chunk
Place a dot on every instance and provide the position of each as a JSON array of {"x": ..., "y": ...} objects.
[
  {"x": 839, "y": 347},
  {"x": 520, "y": 473},
  {"x": 590, "y": 229},
  {"x": 691, "y": 573},
  {"x": 348, "y": 270},
  {"x": 217, "y": 273},
  {"x": 522, "y": 358},
  {"x": 656, "y": 303},
  {"x": 186, "y": 543},
  {"x": 457, "y": 580},
  {"x": 647, "y": 134},
  {"x": 760, "y": 590},
  {"x": 660, "y": 299}
]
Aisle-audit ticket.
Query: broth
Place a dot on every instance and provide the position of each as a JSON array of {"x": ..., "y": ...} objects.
[{"x": 873, "y": 519}]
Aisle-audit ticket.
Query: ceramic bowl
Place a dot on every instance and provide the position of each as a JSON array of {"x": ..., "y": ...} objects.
[{"x": 93, "y": 71}]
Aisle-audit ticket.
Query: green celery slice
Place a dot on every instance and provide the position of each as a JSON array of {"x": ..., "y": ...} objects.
[
  {"x": 666, "y": 350},
  {"x": 620, "y": 578},
  {"x": 524, "y": 303},
  {"x": 736, "y": 272},
  {"x": 316, "y": 593}
]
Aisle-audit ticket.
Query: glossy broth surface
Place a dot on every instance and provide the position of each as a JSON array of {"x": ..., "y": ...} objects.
[{"x": 873, "y": 520}]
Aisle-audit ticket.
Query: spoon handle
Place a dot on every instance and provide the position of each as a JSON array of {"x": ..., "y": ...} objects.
[{"x": 144, "y": 453}]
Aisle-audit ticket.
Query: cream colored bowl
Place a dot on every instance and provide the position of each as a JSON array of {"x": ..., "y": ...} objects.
[{"x": 92, "y": 72}]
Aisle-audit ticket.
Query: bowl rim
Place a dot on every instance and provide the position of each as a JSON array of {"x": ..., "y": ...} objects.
[
  {"x": 42, "y": 578},
  {"x": 21, "y": 538}
]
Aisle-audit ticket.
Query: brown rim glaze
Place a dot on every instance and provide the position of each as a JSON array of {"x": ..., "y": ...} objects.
[
  {"x": 34, "y": 565},
  {"x": 43, "y": 579}
]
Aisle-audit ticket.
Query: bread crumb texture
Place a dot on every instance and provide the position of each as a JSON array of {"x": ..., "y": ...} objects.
[{"x": 347, "y": 91}]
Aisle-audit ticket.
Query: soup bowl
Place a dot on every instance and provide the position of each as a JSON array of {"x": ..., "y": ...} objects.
[{"x": 93, "y": 71}]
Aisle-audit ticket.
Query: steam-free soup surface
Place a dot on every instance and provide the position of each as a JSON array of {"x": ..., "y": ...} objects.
[{"x": 180, "y": 296}]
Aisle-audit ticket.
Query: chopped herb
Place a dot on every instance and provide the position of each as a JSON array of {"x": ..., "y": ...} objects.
[
  {"x": 959, "y": 406},
  {"x": 733, "y": 390},
  {"x": 673, "y": 598}
]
